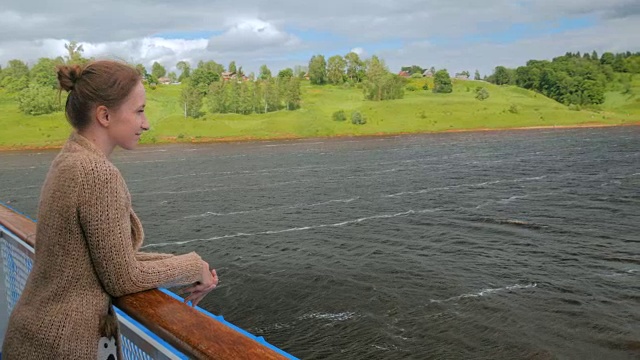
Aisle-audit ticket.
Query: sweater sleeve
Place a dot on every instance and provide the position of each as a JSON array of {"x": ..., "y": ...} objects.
[
  {"x": 104, "y": 215},
  {"x": 151, "y": 256}
]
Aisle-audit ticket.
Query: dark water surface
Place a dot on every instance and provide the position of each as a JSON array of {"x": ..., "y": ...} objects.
[{"x": 497, "y": 245}]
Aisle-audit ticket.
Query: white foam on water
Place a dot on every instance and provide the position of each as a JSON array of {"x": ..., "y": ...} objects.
[
  {"x": 167, "y": 192},
  {"x": 301, "y": 228},
  {"x": 488, "y": 291},
  {"x": 422, "y": 191},
  {"x": 343, "y": 316},
  {"x": 295, "y": 206}
]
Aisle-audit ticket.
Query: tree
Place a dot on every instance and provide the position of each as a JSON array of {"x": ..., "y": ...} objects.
[
  {"x": 355, "y": 67},
  {"x": 74, "y": 53},
  {"x": 442, "y": 82},
  {"x": 38, "y": 99},
  {"x": 318, "y": 70},
  {"x": 380, "y": 84},
  {"x": 158, "y": 70},
  {"x": 191, "y": 101},
  {"x": 216, "y": 97},
  {"x": 44, "y": 73},
  {"x": 141, "y": 70},
  {"x": 292, "y": 96},
  {"x": 501, "y": 76},
  {"x": 336, "y": 69},
  {"x": 271, "y": 95},
  {"x": 413, "y": 69},
  {"x": 285, "y": 73},
  {"x": 476, "y": 76},
  {"x": 607, "y": 58},
  {"x": 172, "y": 77},
  {"x": 15, "y": 77},
  {"x": 265, "y": 73},
  {"x": 232, "y": 67},
  {"x": 185, "y": 70},
  {"x": 205, "y": 74}
]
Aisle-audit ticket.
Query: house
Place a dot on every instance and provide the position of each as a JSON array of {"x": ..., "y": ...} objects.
[
  {"x": 164, "y": 80},
  {"x": 227, "y": 75},
  {"x": 462, "y": 76},
  {"x": 427, "y": 73},
  {"x": 404, "y": 74}
]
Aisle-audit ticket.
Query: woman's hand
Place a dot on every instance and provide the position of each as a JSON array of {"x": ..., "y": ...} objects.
[{"x": 198, "y": 291}]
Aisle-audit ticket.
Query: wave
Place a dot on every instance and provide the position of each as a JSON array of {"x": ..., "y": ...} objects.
[
  {"x": 329, "y": 316},
  {"x": 295, "y": 206},
  {"x": 485, "y": 292},
  {"x": 514, "y": 222},
  {"x": 422, "y": 191},
  {"x": 302, "y": 228},
  {"x": 167, "y": 192},
  {"x": 466, "y": 185}
]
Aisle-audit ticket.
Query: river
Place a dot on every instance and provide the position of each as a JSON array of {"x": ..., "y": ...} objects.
[{"x": 496, "y": 245}]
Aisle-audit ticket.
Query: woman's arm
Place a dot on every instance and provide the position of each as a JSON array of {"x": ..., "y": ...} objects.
[
  {"x": 150, "y": 256},
  {"x": 103, "y": 211}
]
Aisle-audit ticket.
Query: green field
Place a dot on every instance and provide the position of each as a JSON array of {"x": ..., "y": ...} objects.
[{"x": 419, "y": 111}]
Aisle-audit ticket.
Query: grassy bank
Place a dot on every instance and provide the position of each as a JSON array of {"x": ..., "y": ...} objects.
[{"x": 419, "y": 111}]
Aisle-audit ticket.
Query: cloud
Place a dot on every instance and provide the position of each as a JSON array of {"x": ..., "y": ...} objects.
[
  {"x": 459, "y": 35},
  {"x": 251, "y": 36}
]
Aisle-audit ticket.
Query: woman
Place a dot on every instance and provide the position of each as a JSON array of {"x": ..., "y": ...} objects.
[{"x": 87, "y": 235}]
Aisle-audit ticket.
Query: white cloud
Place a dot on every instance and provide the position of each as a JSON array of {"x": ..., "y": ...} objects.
[
  {"x": 358, "y": 50},
  {"x": 252, "y": 36}
]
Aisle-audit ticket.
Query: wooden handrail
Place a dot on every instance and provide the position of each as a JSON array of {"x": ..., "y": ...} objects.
[{"x": 185, "y": 328}]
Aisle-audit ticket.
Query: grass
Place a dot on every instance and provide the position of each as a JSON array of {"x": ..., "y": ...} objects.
[{"x": 419, "y": 111}]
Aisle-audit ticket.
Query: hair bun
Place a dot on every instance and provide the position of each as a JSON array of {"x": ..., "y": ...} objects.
[{"x": 68, "y": 76}]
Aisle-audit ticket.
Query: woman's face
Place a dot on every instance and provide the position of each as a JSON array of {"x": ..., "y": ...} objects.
[{"x": 129, "y": 121}]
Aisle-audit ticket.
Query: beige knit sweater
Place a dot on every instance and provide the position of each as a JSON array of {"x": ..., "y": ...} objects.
[{"x": 87, "y": 241}]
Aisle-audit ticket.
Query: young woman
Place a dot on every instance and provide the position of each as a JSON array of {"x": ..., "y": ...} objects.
[{"x": 87, "y": 235}]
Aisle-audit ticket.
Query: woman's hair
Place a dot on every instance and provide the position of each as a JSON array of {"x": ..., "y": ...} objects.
[{"x": 103, "y": 82}]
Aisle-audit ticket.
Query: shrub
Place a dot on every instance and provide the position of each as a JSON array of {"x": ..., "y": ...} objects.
[
  {"x": 482, "y": 93},
  {"x": 416, "y": 76},
  {"x": 425, "y": 86},
  {"x": 442, "y": 82},
  {"x": 38, "y": 100},
  {"x": 412, "y": 87},
  {"x": 514, "y": 109},
  {"x": 357, "y": 118},
  {"x": 339, "y": 116}
]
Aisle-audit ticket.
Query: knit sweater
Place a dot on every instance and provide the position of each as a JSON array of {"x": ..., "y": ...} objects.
[{"x": 87, "y": 242}]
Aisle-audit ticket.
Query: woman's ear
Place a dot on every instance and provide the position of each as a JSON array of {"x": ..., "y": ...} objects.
[{"x": 102, "y": 115}]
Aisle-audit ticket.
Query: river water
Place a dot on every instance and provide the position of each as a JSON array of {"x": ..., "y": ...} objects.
[{"x": 497, "y": 245}]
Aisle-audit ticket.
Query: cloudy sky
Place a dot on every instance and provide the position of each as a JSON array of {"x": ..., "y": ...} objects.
[{"x": 453, "y": 34}]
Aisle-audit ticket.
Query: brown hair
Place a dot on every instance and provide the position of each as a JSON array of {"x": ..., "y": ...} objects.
[{"x": 103, "y": 82}]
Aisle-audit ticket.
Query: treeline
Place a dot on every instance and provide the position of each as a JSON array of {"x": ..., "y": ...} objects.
[
  {"x": 229, "y": 90},
  {"x": 372, "y": 75},
  {"x": 572, "y": 79},
  {"x": 35, "y": 88}
]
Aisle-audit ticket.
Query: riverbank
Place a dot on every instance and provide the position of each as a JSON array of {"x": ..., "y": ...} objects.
[
  {"x": 207, "y": 140},
  {"x": 507, "y": 108}
]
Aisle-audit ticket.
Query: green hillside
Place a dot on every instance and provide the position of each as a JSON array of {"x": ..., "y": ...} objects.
[{"x": 418, "y": 111}]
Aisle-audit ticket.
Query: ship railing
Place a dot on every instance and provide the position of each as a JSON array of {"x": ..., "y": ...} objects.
[{"x": 154, "y": 324}]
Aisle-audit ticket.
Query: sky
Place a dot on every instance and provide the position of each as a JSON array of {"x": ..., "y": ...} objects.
[{"x": 454, "y": 34}]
